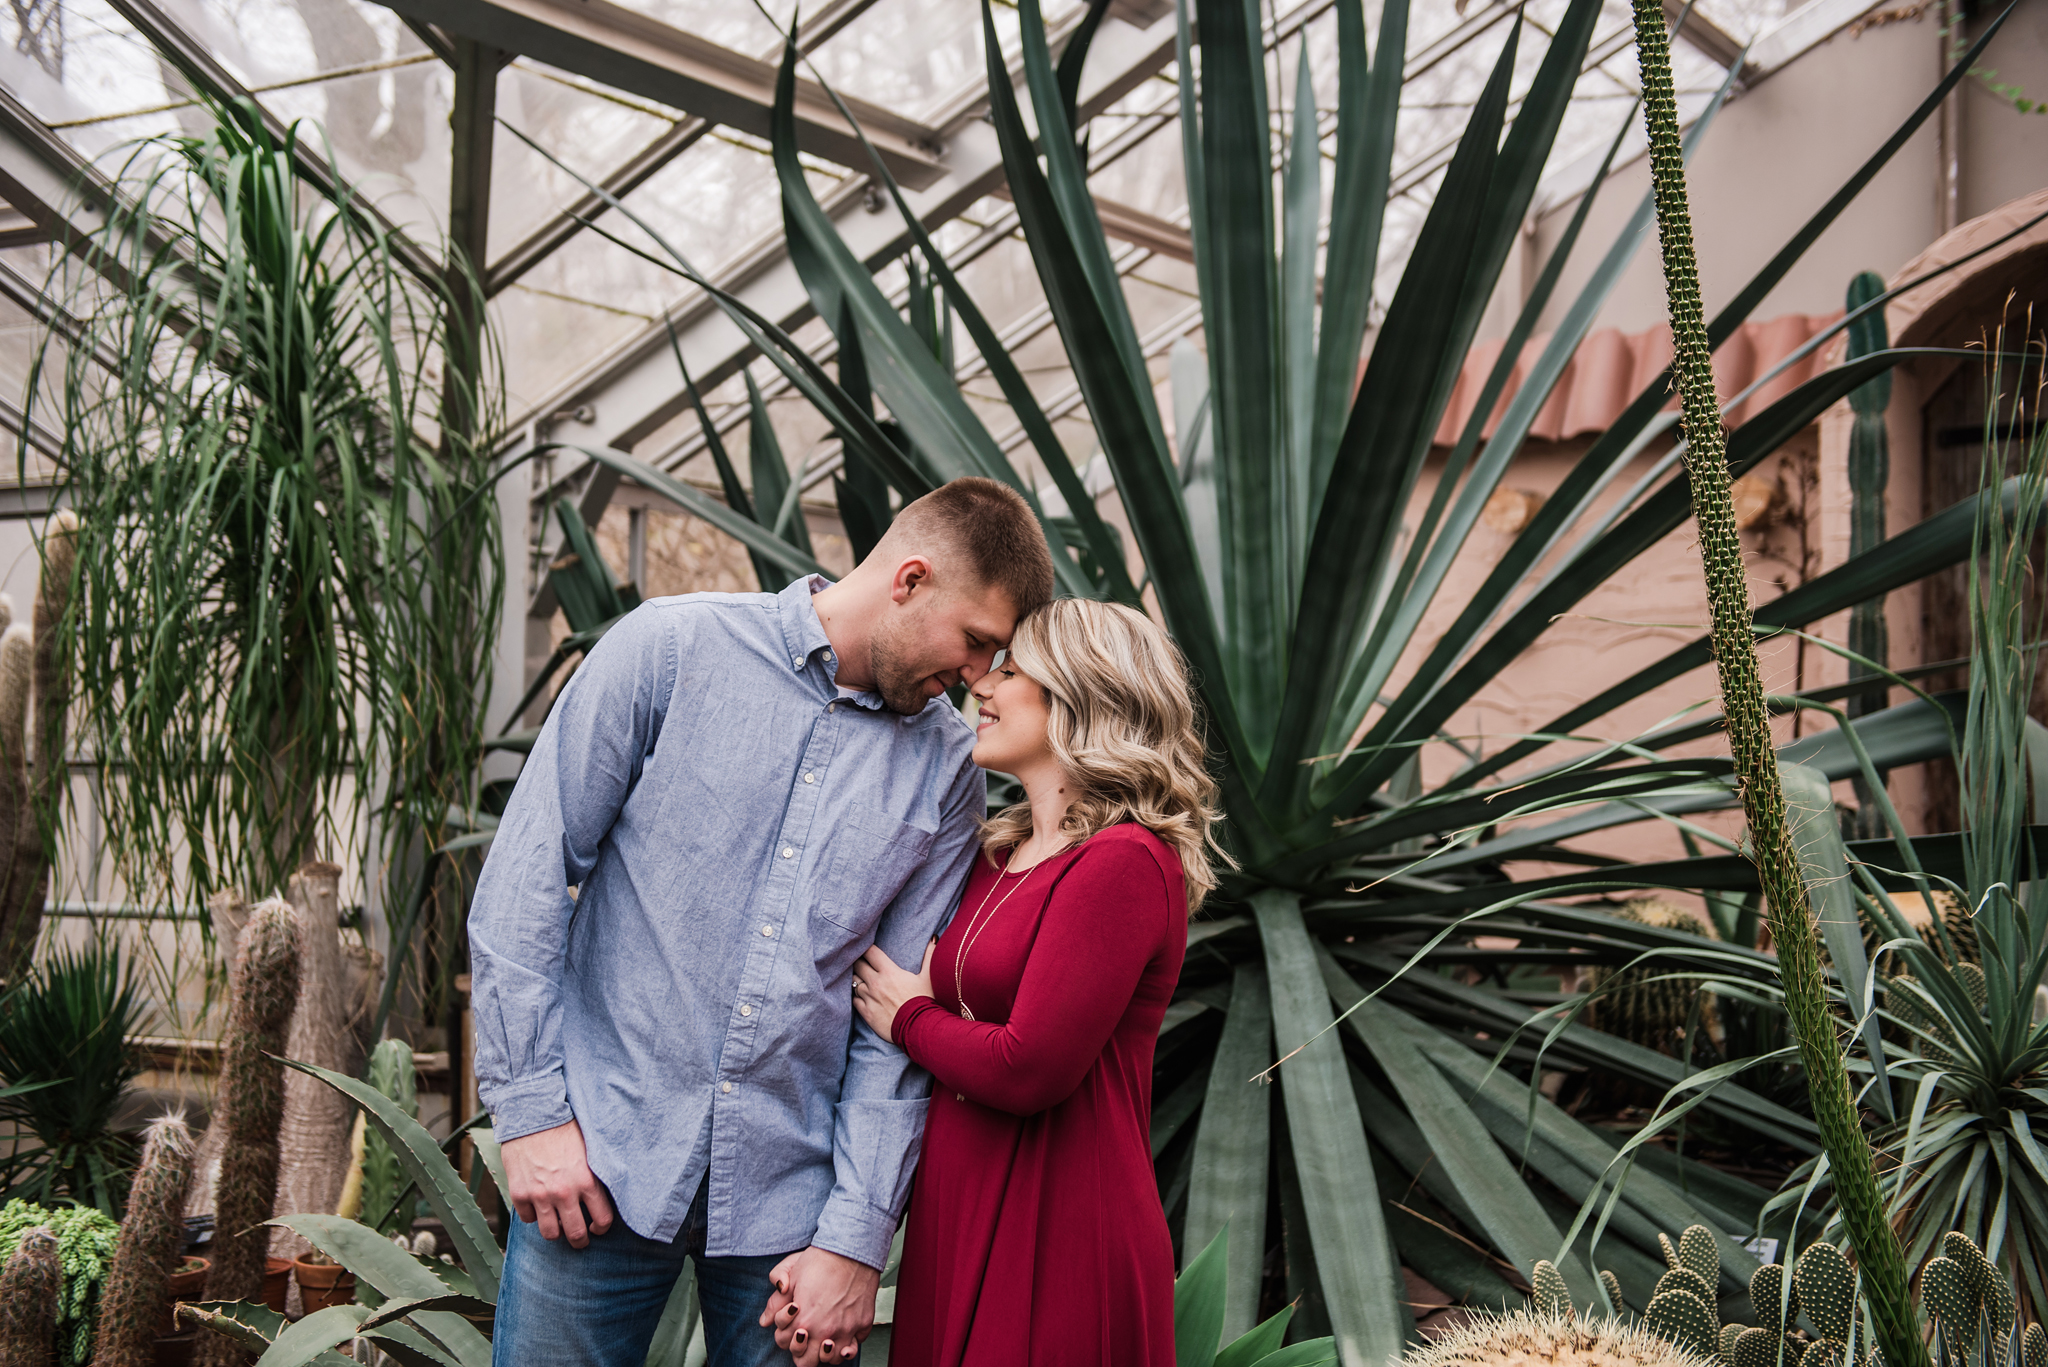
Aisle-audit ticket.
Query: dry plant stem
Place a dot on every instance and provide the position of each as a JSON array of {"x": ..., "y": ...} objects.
[
  {"x": 135, "y": 1299},
  {"x": 266, "y": 987},
  {"x": 1749, "y": 736},
  {"x": 313, "y": 1136},
  {"x": 29, "y": 1285}
]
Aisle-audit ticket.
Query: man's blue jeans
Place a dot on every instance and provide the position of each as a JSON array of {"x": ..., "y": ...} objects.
[{"x": 599, "y": 1306}]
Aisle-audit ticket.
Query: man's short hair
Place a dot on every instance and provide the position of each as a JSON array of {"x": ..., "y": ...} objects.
[{"x": 991, "y": 528}]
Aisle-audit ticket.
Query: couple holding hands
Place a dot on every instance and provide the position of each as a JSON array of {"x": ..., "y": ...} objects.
[{"x": 752, "y": 971}]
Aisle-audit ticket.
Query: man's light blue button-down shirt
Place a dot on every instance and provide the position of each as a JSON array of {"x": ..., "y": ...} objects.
[{"x": 738, "y": 833}]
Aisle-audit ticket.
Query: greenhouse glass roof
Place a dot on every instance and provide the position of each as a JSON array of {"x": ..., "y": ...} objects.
[{"x": 664, "y": 101}]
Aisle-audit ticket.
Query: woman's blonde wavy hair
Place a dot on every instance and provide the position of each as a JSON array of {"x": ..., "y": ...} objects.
[{"x": 1124, "y": 728}]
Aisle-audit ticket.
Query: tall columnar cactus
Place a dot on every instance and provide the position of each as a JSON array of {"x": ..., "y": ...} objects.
[
  {"x": 250, "y": 1107},
  {"x": 132, "y": 1305},
  {"x": 32, "y": 775},
  {"x": 1749, "y": 734},
  {"x": 1869, "y": 471},
  {"x": 28, "y": 1301}
]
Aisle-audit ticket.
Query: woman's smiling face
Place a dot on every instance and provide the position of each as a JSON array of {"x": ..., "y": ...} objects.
[{"x": 1010, "y": 734}]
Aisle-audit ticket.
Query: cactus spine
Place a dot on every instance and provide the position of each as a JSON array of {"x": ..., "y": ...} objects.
[
  {"x": 32, "y": 778},
  {"x": 265, "y": 988},
  {"x": 1791, "y": 919},
  {"x": 28, "y": 1301},
  {"x": 1533, "y": 1339},
  {"x": 134, "y": 1301}
]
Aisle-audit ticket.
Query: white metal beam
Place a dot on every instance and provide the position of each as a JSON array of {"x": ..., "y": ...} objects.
[{"x": 629, "y": 51}]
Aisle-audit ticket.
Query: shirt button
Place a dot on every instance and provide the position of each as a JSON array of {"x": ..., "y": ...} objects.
[
  {"x": 831, "y": 707},
  {"x": 746, "y": 1010},
  {"x": 788, "y": 853},
  {"x": 810, "y": 778},
  {"x": 767, "y": 930},
  {"x": 725, "y": 1086},
  {"x": 828, "y": 654},
  {"x": 797, "y": 663}
]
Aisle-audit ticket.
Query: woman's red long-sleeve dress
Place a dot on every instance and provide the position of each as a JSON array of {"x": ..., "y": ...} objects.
[{"x": 1035, "y": 1232}]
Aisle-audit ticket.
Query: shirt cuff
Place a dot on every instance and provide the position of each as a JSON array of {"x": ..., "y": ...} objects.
[
  {"x": 854, "y": 1229},
  {"x": 528, "y": 1106}
]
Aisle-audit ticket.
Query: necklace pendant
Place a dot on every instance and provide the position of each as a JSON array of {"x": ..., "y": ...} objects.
[{"x": 965, "y": 1014}]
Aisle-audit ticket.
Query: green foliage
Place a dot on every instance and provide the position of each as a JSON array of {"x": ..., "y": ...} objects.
[
  {"x": 1198, "y": 1309},
  {"x": 1274, "y": 537},
  {"x": 289, "y": 565},
  {"x": 385, "y": 1181},
  {"x": 1825, "y": 1287},
  {"x": 86, "y": 1240},
  {"x": 415, "y": 1308},
  {"x": 64, "y": 1043}
]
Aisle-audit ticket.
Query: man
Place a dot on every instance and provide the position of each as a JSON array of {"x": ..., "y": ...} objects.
[{"x": 745, "y": 791}]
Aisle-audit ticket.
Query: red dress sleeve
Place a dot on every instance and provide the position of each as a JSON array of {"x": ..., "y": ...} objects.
[{"x": 1103, "y": 923}]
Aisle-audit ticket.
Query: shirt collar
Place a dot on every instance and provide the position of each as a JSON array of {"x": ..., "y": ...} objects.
[{"x": 805, "y": 635}]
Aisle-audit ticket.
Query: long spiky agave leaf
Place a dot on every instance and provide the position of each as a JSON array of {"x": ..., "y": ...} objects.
[{"x": 1806, "y": 999}]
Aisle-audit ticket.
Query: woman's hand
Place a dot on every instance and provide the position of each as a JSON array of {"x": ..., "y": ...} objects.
[{"x": 880, "y": 988}]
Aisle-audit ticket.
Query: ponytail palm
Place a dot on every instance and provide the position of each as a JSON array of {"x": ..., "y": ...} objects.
[
  {"x": 1270, "y": 535},
  {"x": 287, "y": 576}
]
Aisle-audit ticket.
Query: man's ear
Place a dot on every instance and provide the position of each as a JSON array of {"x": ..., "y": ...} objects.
[{"x": 914, "y": 573}]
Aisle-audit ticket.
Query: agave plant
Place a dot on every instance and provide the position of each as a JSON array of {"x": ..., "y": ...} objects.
[
  {"x": 1966, "y": 1051},
  {"x": 1269, "y": 536}
]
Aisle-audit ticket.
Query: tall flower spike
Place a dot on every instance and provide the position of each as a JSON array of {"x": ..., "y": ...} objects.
[{"x": 1749, "y": 732}]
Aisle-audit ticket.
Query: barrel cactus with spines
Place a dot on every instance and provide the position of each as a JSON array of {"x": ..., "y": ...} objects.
[
  {"x": 1685, "y": 1320},
  {"x": 1775, "y": 1307},
  {"x": 1548, "y": 1294},
  {"x": 1826, "y": 1289},
  {"x": 1532, "y": 1339}
]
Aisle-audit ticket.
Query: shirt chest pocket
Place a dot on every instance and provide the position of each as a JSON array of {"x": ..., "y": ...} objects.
[{"x": 868, "y": 858}]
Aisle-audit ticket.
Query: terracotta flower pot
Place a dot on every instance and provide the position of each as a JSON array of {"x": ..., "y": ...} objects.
[
  {"x": 323, "y": 1284},
  {"x": 277, "y": 1280},
  {"x": 186, "y": 1284}
]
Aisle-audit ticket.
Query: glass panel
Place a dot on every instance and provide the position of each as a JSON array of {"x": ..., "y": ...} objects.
[
  {"x": 917, "y": 56},
  {"x": 590, "y": 128}
]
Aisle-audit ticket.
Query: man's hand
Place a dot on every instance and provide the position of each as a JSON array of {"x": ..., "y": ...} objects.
[
  {"x": 822, "y": 1307},
  {"x": 549, "y": 1173}
]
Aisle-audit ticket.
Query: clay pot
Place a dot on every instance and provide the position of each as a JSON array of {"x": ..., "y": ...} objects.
[
  {"x": 277, "y": 1281},
  {"x": 324, "y": 1284},
  {"x": 184, "y": 1285}
]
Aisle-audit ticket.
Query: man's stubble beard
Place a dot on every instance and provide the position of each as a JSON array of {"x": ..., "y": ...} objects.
[{"x": 899, "y": 682}]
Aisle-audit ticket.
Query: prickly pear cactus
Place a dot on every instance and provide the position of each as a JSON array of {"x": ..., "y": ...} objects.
[
  {"x": 1823, "y": 1353},
  {"x": 1698, "y": 1252},
  {"x": 1826, "y": 1287},
  {"x": 1945, "y": 1290},
  {"x": 1670, "y": 1250},
  {"x": 1730, "y": 1333},
  {"x": 1548, "y": 1294},
  {"x": 1682, "y": 1318},
  {"x": 1758, "y": 1348},
  {"x": 1774, "y": 1304},
  {"x": 2034, "y": 1347},
  {"x": 1612, "y": 1285},
  {"x": 1686, "y": 1280}
]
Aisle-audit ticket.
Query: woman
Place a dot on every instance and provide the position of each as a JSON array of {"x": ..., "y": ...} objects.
[{"x": 1035, "y": 1232}]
